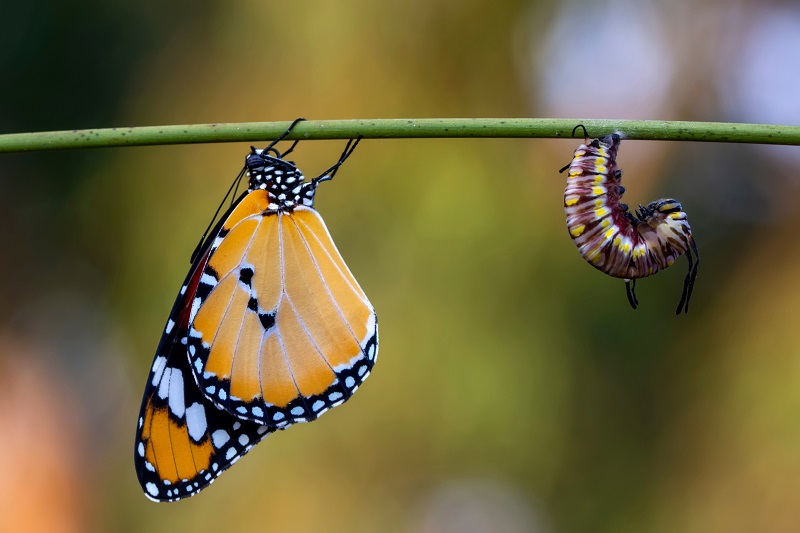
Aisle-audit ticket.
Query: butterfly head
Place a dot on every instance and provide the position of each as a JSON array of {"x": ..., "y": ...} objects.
[{"x": 282, "y": 180}]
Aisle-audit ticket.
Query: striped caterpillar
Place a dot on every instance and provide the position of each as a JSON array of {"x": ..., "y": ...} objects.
[{"x": 612, "y": 239}]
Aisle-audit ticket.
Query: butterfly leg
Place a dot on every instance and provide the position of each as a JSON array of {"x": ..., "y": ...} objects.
[
  {"x": 331, "y": 172},
  {"x": 271, "y": 145}
]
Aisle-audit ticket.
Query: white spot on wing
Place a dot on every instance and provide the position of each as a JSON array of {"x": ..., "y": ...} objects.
[
  {"x": 196, "y": 421},
  {"x": 151, "y": 488},
  {"x": 163, "y": 386},
  {"x": 176, "y": 399},
  {"x": 207, "y": 279},
  {"x": 170, "y": 325},
  {"x": 219, "y": 438},
  {"x": 158, "y": 368},
  {"x": 195, "y": 307}
]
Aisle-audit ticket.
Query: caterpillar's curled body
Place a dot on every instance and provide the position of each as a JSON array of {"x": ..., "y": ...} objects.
[{"x": 611, "y": 238}]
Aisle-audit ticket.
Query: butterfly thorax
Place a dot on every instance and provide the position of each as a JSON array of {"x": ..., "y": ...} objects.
[{"x": 282, "y": 180}]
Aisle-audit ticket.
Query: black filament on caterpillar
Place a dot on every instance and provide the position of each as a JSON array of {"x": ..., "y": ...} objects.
[{"x": 612, "y": 239}]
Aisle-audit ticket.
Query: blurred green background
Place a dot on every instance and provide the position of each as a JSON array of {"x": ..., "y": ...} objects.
[{"x": 516, "y": 390}]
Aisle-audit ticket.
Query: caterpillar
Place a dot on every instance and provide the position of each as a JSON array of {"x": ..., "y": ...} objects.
[{"x": 612, "y": 239}]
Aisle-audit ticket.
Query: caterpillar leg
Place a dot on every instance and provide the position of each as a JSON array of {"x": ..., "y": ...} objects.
[
  {"x": 688, "y": 282},
  {"x": 630, "y": 289},
  {"x": 585, "y": 133}
]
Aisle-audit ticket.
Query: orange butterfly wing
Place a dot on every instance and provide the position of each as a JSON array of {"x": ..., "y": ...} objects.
[
  {"x": 280, "y": 330},
  {"x": 183, "y": 441}
]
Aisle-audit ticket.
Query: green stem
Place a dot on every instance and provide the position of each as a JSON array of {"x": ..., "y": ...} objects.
[{"x": 260, "y": 132}]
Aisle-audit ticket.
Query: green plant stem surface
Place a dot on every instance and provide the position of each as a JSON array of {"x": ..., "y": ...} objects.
[{"x": 261, "y": 132}]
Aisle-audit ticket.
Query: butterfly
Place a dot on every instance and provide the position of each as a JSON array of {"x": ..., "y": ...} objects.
[{"x": 269, "y": 329}]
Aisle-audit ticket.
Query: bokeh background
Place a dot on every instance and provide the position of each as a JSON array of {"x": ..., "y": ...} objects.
[{"x": 515, "y": 390}]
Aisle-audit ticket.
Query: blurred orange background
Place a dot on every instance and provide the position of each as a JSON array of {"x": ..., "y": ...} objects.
[{"x": 515, "y": 390}]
